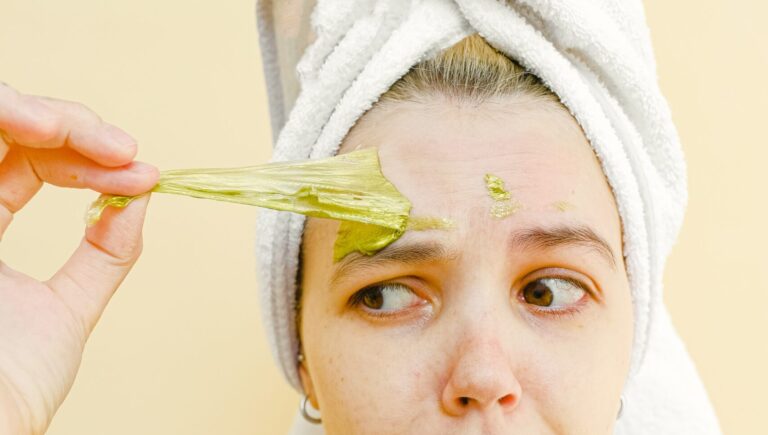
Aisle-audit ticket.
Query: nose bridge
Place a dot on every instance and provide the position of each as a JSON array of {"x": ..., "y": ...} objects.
[
  {"x": 481, "y": 347},
  {"x": 483, "y": 320},
  {"x": 482, "y": 373}
]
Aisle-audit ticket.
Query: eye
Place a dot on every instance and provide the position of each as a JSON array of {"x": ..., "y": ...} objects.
[
  {"x": 386, "y": 299},
  {"x": 553, "y": 292}
]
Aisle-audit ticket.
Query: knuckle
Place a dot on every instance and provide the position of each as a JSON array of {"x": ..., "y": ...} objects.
[
  {"x": 85, "y": 113},
  {"x": 47, "y": 123},
  {"x": 73, "y": 111},
  {"x": 48, "y": 127}
]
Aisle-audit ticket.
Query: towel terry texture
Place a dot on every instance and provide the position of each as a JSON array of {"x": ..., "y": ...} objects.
[{"x": 327, "y": 63}]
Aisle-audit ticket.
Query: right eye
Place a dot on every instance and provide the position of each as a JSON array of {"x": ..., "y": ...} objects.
[{"x": 386, "y": 299}]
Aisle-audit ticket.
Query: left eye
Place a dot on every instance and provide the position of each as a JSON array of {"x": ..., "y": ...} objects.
[
  {"x": 385, "y": 298},
  {"x": 553, "y": 292}
]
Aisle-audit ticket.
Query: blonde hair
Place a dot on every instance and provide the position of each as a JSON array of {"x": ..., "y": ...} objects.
[{"x": 471, "y": 70}]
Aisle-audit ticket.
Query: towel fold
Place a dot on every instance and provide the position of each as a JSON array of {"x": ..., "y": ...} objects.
[{"x": 596, "y": 55}]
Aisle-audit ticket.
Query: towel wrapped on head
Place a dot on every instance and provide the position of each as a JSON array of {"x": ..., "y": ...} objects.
[{"x": 327, "y": 64}]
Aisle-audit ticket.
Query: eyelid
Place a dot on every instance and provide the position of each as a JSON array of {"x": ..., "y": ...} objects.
[
  {"x": 357, "y": 295},
  {"x": 562, "y": 312},
  {"x": 576, "y": 278},
  {"x": 397, "y": 282},
  {"x": 355, "y": 302}
]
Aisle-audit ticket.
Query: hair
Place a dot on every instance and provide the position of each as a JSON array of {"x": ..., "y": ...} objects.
[{"x": 470, "y": 71}]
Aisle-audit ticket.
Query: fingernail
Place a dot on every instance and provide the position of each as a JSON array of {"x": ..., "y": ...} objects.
[{"x": 119, "y": 137}]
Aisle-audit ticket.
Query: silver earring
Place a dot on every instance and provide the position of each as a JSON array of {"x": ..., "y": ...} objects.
[
  {"x": 304, "y": 413},
  {"x": 621, "y": 407}
]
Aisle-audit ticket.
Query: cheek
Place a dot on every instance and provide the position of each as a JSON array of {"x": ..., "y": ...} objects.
[
  {"x": 576, "y": 380},
  {"x": 366, "y": 378},
  {"x": 372, "y": 379}
]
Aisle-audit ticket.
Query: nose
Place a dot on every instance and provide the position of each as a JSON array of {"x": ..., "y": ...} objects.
[{"x": 482, "y": 379}]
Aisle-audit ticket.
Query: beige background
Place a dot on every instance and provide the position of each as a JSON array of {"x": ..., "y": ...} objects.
[{"x": 181, "y": 349}]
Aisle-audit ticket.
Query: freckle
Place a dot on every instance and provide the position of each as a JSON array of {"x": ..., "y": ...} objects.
[{"x": 73, "y": 177}]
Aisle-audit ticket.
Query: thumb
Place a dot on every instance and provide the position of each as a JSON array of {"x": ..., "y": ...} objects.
[{"x": 106, "y": 254}]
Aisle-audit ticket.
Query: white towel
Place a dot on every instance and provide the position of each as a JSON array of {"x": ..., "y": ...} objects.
[{"x": 596, "y": 55}]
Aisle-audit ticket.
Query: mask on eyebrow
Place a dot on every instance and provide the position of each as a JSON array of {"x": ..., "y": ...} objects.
[{"x": 349, "y": 187}]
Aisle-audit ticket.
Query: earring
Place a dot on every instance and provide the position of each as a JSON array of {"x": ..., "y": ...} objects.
[
  {"x": 305, "y": 413},
  {"x": 621, "y": 407}
]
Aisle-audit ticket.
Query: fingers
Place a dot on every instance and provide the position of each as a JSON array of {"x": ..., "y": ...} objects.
[
  {"x": 39, "y": 122},
  {"x": 105, "y": 256},
  {"x": 18, "y": 183},
  {"x": 66, "y": 168},
  {"x": 23, "y": 171}
]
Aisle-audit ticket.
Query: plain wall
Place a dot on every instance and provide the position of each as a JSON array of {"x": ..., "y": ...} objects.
[{"x": 181, "y": 348}]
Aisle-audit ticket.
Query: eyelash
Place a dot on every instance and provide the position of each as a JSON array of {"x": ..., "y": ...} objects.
[
  {"x": 356, "y": 300},
  {"x": 562, "y": 313}
]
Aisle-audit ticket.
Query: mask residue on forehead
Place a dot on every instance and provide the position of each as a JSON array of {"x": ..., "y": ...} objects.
[
  {"x": 369, "y": 239},
  {"x": 423, "y": 223},
  {"x": 503, "y": 203},
  {"x": 563, "y": 206}
]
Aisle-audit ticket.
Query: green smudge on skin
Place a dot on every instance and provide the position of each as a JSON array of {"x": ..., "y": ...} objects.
[
  {"x": 563, "y": 206},
  {"x": 503, "y": 204},
  {"x": 495, "y": 186},
  {"x": 369, "y": 239},
  {"x": 363, "y": 238},
  {"x": 423, "y": 223}
]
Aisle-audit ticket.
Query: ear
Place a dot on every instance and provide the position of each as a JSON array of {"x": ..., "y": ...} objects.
[{"x": 306, "y": 382}]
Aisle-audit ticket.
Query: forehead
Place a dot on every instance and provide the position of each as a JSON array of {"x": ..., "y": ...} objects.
[{"x": 437, "y": 155}]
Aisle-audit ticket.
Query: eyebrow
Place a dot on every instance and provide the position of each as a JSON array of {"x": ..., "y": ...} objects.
[
  {"x": 405, "y": 253},
  {"x": 547, "y": 238},
  {"x": 432, "y": 251}
]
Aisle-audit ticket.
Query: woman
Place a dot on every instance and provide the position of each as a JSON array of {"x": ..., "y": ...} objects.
[
  {"x": 521, "y": 318},
  {"x": 445, "y": 330},
  {"x": 500, "y": 322}
]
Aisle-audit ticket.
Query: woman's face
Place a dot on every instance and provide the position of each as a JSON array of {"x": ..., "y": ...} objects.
[{"x": 520, "y": 324}]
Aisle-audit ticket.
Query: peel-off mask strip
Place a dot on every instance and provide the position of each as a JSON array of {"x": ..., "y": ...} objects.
[{"x": 349, "y": 187}]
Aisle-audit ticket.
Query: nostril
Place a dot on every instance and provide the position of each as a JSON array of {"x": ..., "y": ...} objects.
[
  {"x": 464, "y": 401},
  {"x": 507, "y": 400}
]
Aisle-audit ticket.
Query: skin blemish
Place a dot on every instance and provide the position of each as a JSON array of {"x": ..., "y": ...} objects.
[{"x": 503, "y": 203}]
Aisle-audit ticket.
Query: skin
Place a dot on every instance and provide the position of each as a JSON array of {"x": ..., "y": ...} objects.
[
  {"x": 44, "y": 325},
  {"x": 456, "y": 346}
]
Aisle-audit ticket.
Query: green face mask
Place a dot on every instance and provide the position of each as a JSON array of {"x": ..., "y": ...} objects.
[
  {"x": 349, "y": 187},
  {"x": 503, "y": 203}
]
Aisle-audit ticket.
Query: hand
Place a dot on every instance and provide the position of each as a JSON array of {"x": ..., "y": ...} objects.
[{"x": 44, "y": 325}]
